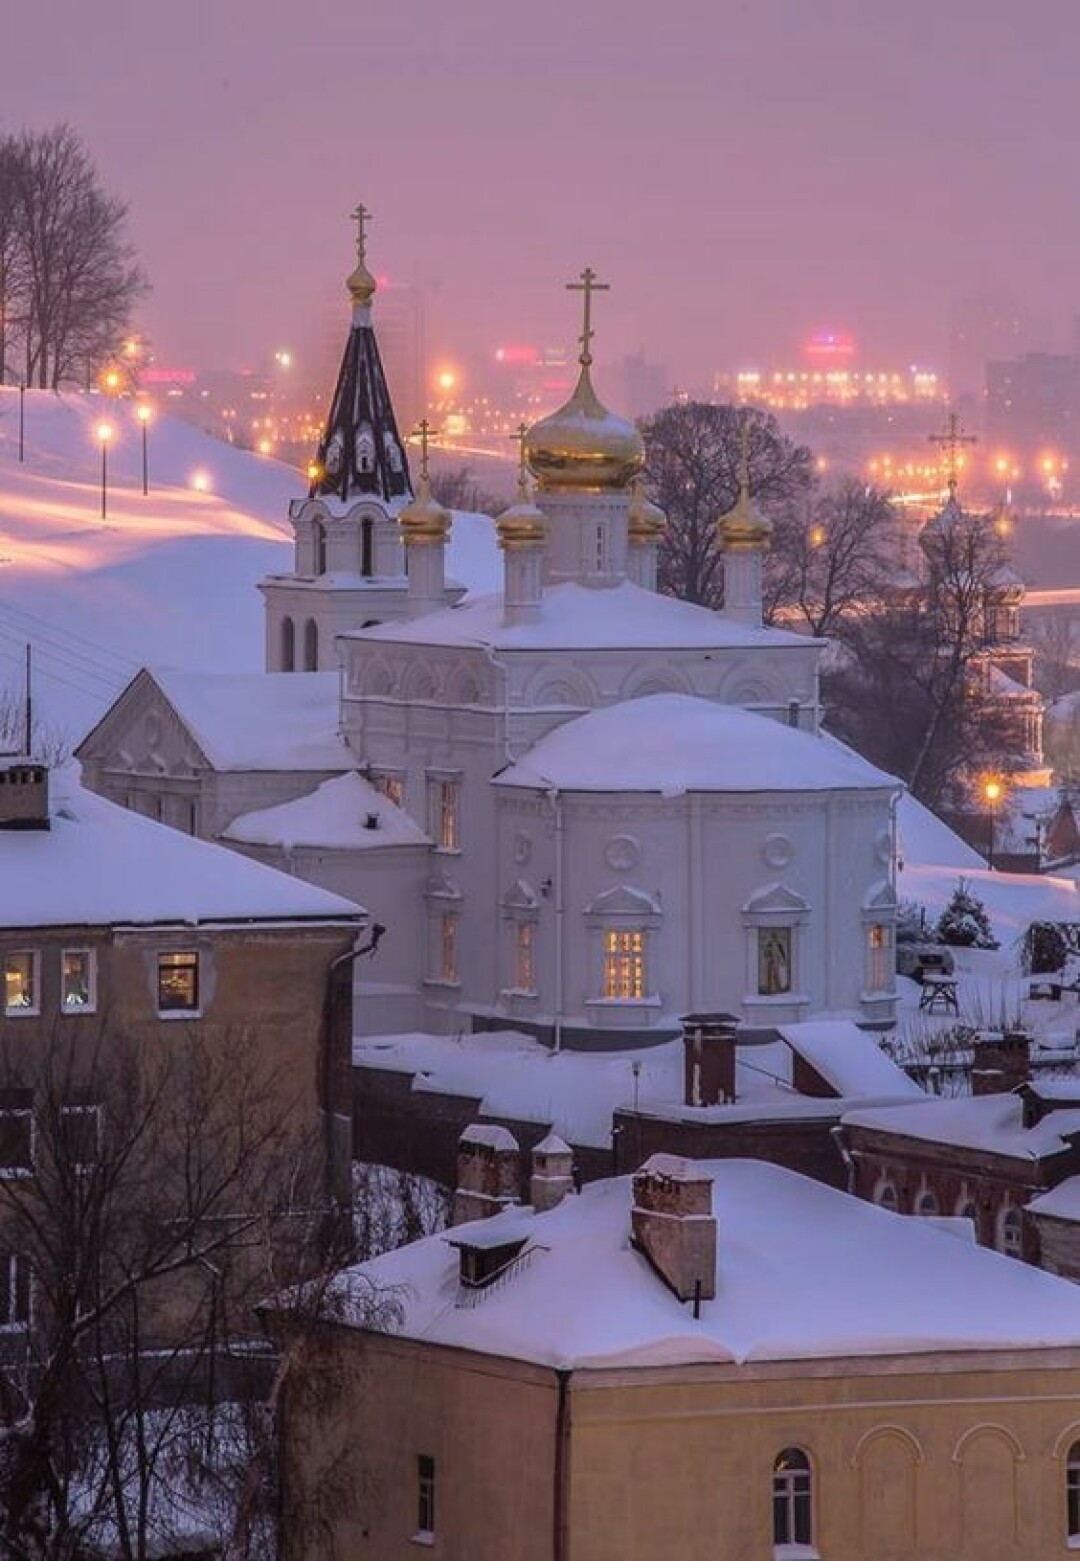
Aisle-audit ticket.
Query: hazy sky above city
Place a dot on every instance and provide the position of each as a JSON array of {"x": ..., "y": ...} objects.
[{"x": 741, "y": 171}]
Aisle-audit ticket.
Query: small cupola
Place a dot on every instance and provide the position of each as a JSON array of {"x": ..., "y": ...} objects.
[{"x": 24, "y": 793}]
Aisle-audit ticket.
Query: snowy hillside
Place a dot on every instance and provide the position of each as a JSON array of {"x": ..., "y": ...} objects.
[{"x": 169, "y": 578}]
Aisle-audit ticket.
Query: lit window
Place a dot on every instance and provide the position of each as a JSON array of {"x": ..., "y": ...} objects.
[
  {"x": 16, "y": 1143},
  {"x": 525, "y": 962},
  {"x": 624, "y": 964},
  {"x": 178, "y": 983},
  {"x": 793, "y": 1502},
  {"x": 879, "y": 957},
  {"x": 1011, "y": 1233},
  {"x": 448, "y": 931},
  {"x": 425, "y": 1494},
  {"x": 79, "y": 1145},
  {"x": 392, "y": 786},
  {"x": 1072, "y": 1491},
  {"x": 14, "y": 1292},
  {"x": 445, "y": 797},
  {"x": 21, "y": 984},
  {"x": 78, "y": 994},
  {"x": 774, "y": 961}
]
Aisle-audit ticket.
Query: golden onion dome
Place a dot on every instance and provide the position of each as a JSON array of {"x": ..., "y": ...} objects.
[
  {"x": 645, "y": 522},
  {"x": 361, "y": 285},
  {"x": 583, "y": 446},
  {"x": 744, "y": 528},
  {"x": 424, "y": 521},
  {"x": 523, "y": 524}
]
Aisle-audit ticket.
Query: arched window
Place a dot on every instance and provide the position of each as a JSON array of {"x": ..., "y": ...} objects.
[
  {"x": 319, "y": 539},
  {"x": 367, "y": 550},
  {"x": 311, "y": 646},
  {"x": 793, "y": 1499},
  {"x": 885, "y": 1196},
  {"x": 288, "y": 645},
  {"x": 1072, "y": 1493},
  {"x": 927, "y": 1204},
  {"x": 966, "y": 1209},
  {"x": 1011, "y": 1233}
]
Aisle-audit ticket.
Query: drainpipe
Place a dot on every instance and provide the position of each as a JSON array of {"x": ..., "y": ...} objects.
[
  {"x": 557, "y": 1016},
  {"x": 559, "y": 1534},
  {"x": 837, "y": 1135}
]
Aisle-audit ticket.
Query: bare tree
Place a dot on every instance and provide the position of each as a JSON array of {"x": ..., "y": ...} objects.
[
  {"x": 68, "y": 278},
  {"x": 1055, "y": 634},
  {"x": 693, "y": 458},
  {"x": 836, "y": 558}
]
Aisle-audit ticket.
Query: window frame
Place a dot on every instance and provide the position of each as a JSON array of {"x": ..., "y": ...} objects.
[
  {"x": 177, "y": 1010},
  {"x": 785, "y": 934},
  {"x": 12, "y": 1170},
  {"x": 880, "y": 957},
  {"x": 891, "y": 1203},
  {"x": 793, "y": 1502},
  {"x": 624, "y": 974},
  {"x": 18, "y": 1287},
  {"x": 1072, "y": 1496},
  {"x": 83, "y": 1109},
  {"x": 1010, "y": 1232},
  {"x": 444, "y": 812},
  {"x": 90, "y": 1006},
  {"x": 31, "y": 1010},
  {"x": 390, "y": 784},
  {"x": 425, "y": 1497}
]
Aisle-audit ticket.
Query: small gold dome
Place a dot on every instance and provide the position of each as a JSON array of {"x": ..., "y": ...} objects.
[
  {"x": 744, "y": 529},
  {"x": 361, "y": 285},
  {"x": 583, "y": 446},
  {"x": 645, "y": 522},
  {"x": 524, "y": 524},
  {"x": 424, "y": 522}
]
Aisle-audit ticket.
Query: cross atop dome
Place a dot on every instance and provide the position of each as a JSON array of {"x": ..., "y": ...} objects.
[
  {"x": 587, "y": 285},
  {"x": 950, "y": 443}
]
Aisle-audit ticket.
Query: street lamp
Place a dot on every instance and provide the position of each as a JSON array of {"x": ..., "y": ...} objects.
[
  {"x": 104, "y": 433},
  {"x": 992, "y": 793},
  {"x": 144, "y": 413}
]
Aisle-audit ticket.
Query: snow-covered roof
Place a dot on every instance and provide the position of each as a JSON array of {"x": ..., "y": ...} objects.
[
  {"x": 923, "y": 837},
  {"x": 573, "y": 617},
  {"x": 1061, "y": 1202},
  {"x": 101, "y": 865},
  {"x": 990, "y": 1123},
  {"x": 259, "y": 720},
  {"x": 848, "y": 1058},
  {"x": 803, "y": 1272},
  {"x": 674, "y": 743},
  {"x": 336, "y": 816}
]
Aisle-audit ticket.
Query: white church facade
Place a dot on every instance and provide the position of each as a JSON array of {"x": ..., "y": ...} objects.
[{"x": 578, "y": 807}]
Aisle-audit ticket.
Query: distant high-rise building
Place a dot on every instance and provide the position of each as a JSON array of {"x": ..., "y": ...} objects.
[
  {"x": 1033, "y": 405},
  {"x": 643, "y": 386},
  {"x": 981, "y": 328}
]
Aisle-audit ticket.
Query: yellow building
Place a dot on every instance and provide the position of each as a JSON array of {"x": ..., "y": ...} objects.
[{"x": 837, "y": 1382}]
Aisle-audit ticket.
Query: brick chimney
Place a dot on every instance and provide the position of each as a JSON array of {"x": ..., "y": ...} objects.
[
  {"x": 24, "y": 793},
  {"x": 488, "y": 1172},
  {"x": 709, "y": 1059},
  {"x": 552, "y": 1173},
  {"x": 672, "y": 1224},
  {"x": 1001, "y": 1060}
]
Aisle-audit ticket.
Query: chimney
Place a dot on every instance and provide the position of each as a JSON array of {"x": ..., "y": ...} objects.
[
  {"x": 1001, "y": 1061},
  {"x": 488, "y": 1172},
  {"x": 24, "y": 793},
  {"x": 552, "y": 1173},
  {"x": 672, "y": 1224},
  {"x": 709, "y": 1059}
]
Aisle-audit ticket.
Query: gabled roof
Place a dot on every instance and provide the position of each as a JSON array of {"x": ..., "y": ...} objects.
[
  {"x": 990, "y": 1124},
  {"x": 848, "y": 1059},
  {"x": 343, "y": 814},
  {"x": 100, "y": 865}
]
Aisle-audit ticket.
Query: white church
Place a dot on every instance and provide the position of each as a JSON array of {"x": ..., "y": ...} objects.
[{"x": 577, "y": 807}]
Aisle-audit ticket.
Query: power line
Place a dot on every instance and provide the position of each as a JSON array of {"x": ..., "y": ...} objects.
[{"x": 67, "y": 634}]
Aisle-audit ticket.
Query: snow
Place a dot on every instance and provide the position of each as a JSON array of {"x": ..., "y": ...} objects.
[
  {"x": 1012, "y": 900},
  {"x": 490, "y": 1135},
  {"x": 990, "y": 1123},
  {"x": 848, "y": 1058},
  {"x": 170, "y": 577},
  {"x": 923, "y": 838},
  {"x": 803, "y": 1272},
  {"x": 102, "y": 865},
  {"x": 675, "y": 743},
  {"x": 333, "y": 817},
  {"x": 1061, "y": 1202},
  {"x": 575, "y": 617}
]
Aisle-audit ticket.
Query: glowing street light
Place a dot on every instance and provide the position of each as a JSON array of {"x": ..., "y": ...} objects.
[
  {"x": 104, "y": 434},
  {"x": 992, "y": 793},
  {"x": 144, "y": 413},
  {"x": 200, "y": 481}
]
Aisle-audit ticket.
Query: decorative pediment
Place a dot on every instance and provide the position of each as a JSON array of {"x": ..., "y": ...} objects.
[
  {"x": 626, "y": 902},
  {"x": 440, "y": 886},
  {"x": 776, "y": 899},
  {"x": 880, "y": 896},
  {"x": 143, "y": 733},
  {"x": 521, "y": 896}
]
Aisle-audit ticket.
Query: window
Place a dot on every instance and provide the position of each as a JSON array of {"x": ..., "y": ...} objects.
[
  {"x": 78, "y": 981},
  {"x": 288, "y": 645},
  {"x": 927, "y": 1204},
  {"x": 448, "y": 932},
  {"x": 14, "y": 1292},
  {"x": 392, "y": 786},
  {"x": 311, "y": 645},
  {"x": 774, "y": 961},
  {"x": 599, "y": 559},
  {"x": 425, "y": 1494},
  {"x": 445, "y": 800},
  {"x": 1072, "y": 1492},
  {"x": 880, "y": 967},
  {"x": 16, "y": 1142},
  {"x": 793, "y": 1506},
  {"x": 885, "y": 1196},
  {"x": 318, "y": 536},
  {"x": 22, "y": 994},
  {"x": 367, "y": 546},
  {"x": 1011, "y": 1233},
  {"x": 624, "y": 964},
  {"x": 178, "y": 982},
  {"x": 524, "y": 960},
  {"x": 79, "y": 1142}
]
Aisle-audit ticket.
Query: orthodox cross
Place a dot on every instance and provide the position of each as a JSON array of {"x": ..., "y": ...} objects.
[
  {"x": 519, "y": 436},
  {"x": 361, "y": 216},
  {"x": 425, "y": 433},
  {"x": 950, "y": 443},
  {"x": 588, "y": 285}
]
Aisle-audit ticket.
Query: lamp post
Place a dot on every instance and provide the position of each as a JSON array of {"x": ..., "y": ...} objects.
[
  {"x": 144, "y": 413},
  {"x": 22, "y": 418},
  {"x": 992, "y": 793},
  {"x": 104, "y": 433}
]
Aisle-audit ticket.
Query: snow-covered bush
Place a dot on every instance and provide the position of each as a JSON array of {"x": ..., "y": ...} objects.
[{"x": 964, "y": 923}]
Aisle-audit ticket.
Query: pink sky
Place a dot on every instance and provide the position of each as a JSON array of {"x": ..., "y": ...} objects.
[{"x": 740, "y": 170}]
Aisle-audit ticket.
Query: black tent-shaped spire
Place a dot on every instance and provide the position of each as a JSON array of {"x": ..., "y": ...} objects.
[{"x": 361, "y": 450}]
